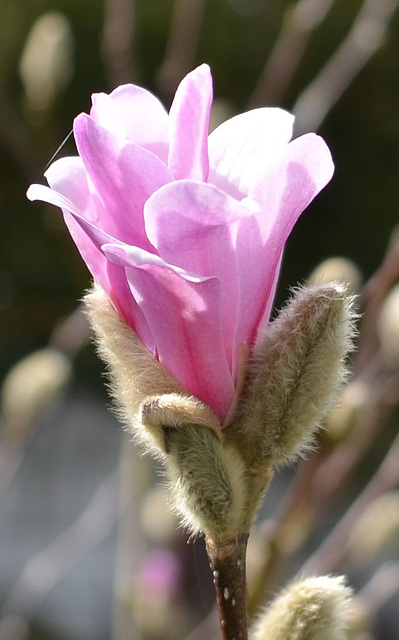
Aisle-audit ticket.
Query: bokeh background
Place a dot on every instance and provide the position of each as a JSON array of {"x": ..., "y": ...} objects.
[{"x": 335, "y": 64}]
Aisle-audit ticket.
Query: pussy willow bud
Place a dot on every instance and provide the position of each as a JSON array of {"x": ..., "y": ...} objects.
[
  {"x": 206, "y": 475},
  {"x": 338, "y": 269},
  {"x": 343, "y": 418},
  {"x": 207, "y": 482},
  {"x": 295, "y": 376},
  {"x": 376, "y": 530},
  {"x": 311, "y": 609},
  {"x": 30, "y": 388},
  {"x": 388, "y": 327},
  {"x": 138, "y": 380},
  {"x": 46, "y": 65}
]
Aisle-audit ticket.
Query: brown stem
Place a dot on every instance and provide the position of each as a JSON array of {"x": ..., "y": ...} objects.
[{"x": 228, "y": 567}]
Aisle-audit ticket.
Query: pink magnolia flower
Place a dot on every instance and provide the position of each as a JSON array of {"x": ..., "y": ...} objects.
[{"x": 185, "y": 231}]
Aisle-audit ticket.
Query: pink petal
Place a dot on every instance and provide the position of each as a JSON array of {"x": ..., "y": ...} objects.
[
  {"x": 242, "y": 147},
  {"x": 185, "y": 318},
  {"x": 124, "y": 175},
  {"x": 136, "y": 114},
  {"x": 73, "y": 198},
  {"x": 89, "y": 240},
  {"x": 195, "y": 226},
  {"x": 283, "y": 193},
  {"x": 189, "y": 126}
]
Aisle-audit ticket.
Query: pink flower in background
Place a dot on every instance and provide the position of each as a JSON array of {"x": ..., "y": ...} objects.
[{"x": 185, "y": 231}]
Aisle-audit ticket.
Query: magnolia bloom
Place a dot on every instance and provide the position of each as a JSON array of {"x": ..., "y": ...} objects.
[{"x": 185, "y": 231}]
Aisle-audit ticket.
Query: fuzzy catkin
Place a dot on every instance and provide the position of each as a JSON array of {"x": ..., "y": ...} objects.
[
  {"x": 138, "y": 380},
  {"x": 207, "y": 478},
  {"x": 295, "y": 375},
  {"x": 314, "y": 608},
  {"x": 207, "y": 482}
]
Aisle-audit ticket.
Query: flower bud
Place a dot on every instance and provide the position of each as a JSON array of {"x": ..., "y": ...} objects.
[
  {"x": 376, "y": 529},
  {"x": 295, "y": 375},
  {"x": 206, "y": 476},
  {"x": 343, "y": 418},
  {"x": 138, "y": 380},
  {"x": 338, "y": 269},
  {"x": 46, "y": 64},
  {"x": 388, "y": 327},
  {"x": 30, "y": 388},
  {"x": 207, "y": 482},
  {"x": 309, "y": 609},
  {"x": 158, "y": 522}
]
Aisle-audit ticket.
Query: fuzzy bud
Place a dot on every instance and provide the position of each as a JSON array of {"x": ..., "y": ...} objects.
[
  {"x": 376, "y": 530},
  {"x": 46, "y": 64},
  {"x": 295, "y": 376},
  {"x": 207, "y": 482},
  {"x": 338, "y": 269},
  {"x": 206, "y": 475},
  {"x": 30, "y": 389},
  {"x": 310, "y": 609},
  {"x": 146, "y": 394},
  {"x": 343, "y": 418}
]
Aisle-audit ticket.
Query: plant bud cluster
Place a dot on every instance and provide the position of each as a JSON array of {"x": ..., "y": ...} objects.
[{"x": 218, "y": 475}]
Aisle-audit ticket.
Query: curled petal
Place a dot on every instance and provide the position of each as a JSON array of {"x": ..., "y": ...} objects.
[
  {"x": 109, "y": 275},
  {"x": 196, "y": 226},
  {"x": 189, "y": 126},
  {"x": 136, "y": 114},
  {"x": 124, "y": 175},
  {"x": 246, "y": 144}
]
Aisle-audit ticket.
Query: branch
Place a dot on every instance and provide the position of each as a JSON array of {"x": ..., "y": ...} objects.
[
  {"x": 117, "y": 41},
  {"x": 364, "y": 39},
  {"x": 298, "y": 25},
  {"x": 182, "y": 45}
]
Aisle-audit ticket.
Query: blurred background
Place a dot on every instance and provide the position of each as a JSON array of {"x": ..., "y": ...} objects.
[{"x": 76, "y": 534}]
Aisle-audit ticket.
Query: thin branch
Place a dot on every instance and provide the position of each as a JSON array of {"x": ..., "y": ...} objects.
[
  {"x": 207, "y": 629},
  {"x": 381, "y": 587},
  {"x": 130, "y": 543},
  {"x": 118, "y": 40},
  {"x": 298, "y": 25},
  {"x": 366, "y": 36},
  {"x": 333, "y": 549},
  {"x": 319, "y": 481},
  {"x": 17, "y": 139},
  {"x": 182, "y": 45},
  {"x": 372, "y": 300},
  {"x": 48, "y": 567}
]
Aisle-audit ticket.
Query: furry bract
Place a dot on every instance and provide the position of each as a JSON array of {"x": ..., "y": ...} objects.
[{"x": 185, "y": 230}]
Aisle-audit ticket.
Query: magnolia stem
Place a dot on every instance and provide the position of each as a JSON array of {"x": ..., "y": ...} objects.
[{"x": 228, "y": 567}]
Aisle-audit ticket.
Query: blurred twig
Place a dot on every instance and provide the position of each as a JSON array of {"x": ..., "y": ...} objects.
[
  {"x": 326, "y": 472},
  {"x": 48, "y": 567},
  {"x": 16, "y": 138},
  {"x": 299, "y": 22},
  {"x": 182, "y": 45},
  {"x": 372, "y": 300},
  {"x": 318, "y": 482},
  {"x": 131, "y": 547},
  {"x": 383, "y": 584},
  {"x": 118, "y": 41},
  {"x": 331, "y": 552},
  {"x": 364, "y": 39},
  {"x": 208, "y": 629}
]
